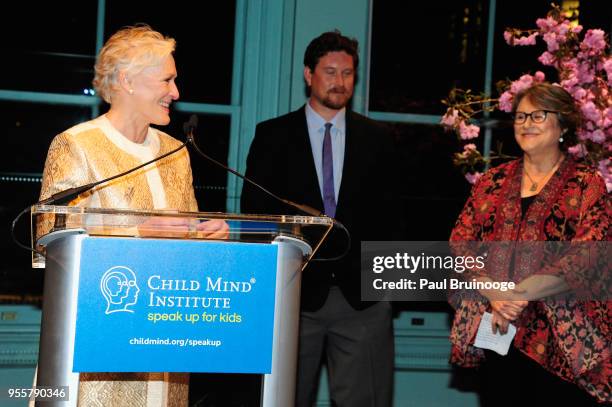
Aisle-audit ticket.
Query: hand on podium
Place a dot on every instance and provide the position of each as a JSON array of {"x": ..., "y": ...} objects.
[
  {"x": 212, "y": 229},
  {"x": 178, "y": 227}
]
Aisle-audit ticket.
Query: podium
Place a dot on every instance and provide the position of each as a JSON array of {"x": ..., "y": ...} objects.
[{"x": 130, "y": 291}]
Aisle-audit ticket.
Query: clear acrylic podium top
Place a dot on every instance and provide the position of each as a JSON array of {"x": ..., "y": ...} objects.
[{"x": 49, "y": 220}]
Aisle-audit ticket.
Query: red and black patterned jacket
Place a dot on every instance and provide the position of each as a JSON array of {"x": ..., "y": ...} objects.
[{"x": 571, "y": 339}]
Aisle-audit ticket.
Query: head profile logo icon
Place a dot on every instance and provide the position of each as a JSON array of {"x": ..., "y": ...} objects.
[{"x": 119, "y": 288}]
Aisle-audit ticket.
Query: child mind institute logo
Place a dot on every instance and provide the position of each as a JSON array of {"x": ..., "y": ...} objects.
[{"x": 119, "y": 288}]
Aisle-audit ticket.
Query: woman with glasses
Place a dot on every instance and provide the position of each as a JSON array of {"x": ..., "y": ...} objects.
[{"x": 562, "y": 348}]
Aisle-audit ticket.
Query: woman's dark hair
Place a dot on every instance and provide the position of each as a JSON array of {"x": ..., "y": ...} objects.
[
  {"x": 553, "y": 97},
  {"x": 330, "y": 41}
]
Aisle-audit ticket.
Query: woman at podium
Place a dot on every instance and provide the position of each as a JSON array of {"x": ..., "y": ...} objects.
[{"x": 135, "y": 73}]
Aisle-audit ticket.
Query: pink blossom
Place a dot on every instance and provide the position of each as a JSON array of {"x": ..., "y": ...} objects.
[
  {"x": 597, "y": 136},
  {"x": 539, "y": 76},
  {"x": 604, "y": 168},
  {"x": 590, "y": 111},
  {"x": 467, "y": 150},
  {"x": 562, "y": 29},
  {"x": 594, "y": 40},
  {"x": 546, "y": 24},
  {"x": 585, "y": 73},
  {"x": 570, "y": 64},
  {"x": 523, "y": 82},
  {"x": 508, "y": 37},
  {"x": 529, "y": 40},
  {"x": 551, "y": 41},
  {"x": 586, "y": 133},
  {"x": 607, "y": 66},
  {"x": 583, "y": 55},
  {"x": 606, "y": 123},
  {"x": 578, "y": 150},
  {"x": 570, "y": 83},
  {"x": 468, "y": 131},
  {"x": 450, "y": 117},
  {"x": 577, "y": 29},
  {"x": 547, "y": 58},
  {"x": 472, "y": 178},
  {"x": 505, "y": 102},
  {"x": 578, "y": 93}
]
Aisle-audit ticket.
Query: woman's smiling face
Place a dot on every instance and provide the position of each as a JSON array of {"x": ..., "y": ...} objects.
[
  {"x": 537, "y": 138},
  {"x": 154, "y": 90}
]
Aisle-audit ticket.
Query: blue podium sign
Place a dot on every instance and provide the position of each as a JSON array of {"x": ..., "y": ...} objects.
[{"x": 149, "y": 305}]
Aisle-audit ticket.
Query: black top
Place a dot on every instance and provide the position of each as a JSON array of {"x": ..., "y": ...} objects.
[{"x": 525, "y": 203}]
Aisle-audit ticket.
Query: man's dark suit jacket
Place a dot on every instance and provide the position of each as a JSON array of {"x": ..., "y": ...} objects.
[{"x": 280, "y": 159}]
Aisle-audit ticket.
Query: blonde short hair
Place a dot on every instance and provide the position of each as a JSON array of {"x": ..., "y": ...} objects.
[{"x": 130, "y": 49}]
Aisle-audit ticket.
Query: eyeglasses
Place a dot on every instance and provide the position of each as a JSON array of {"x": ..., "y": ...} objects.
[{"x": 537, "y": 116}]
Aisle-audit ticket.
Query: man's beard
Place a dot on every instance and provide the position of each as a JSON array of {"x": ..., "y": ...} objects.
[{"x": 335, "y": 104}]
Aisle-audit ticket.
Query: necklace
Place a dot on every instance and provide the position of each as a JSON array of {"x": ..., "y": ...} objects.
[{"x": 534, "y": 185}]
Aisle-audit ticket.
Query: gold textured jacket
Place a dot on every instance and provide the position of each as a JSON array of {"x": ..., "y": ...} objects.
[
  {"x": 94, "y": 150},
  {"x": 90, "y": 152}
]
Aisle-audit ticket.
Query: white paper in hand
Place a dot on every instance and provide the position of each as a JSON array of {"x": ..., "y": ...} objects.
[{"x": 486, "y": 339}]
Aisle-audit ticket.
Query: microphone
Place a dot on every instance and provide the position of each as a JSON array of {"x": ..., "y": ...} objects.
[{"x": 189, "y": 128}]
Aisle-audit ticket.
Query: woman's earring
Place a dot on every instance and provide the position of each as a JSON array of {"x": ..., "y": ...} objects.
[
  {"x": 131, "y": 91},
  {"x": 561, "y": 138}
]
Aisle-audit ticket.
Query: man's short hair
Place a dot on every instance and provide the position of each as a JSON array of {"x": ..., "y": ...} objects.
[{"x": 331, "y": 41}]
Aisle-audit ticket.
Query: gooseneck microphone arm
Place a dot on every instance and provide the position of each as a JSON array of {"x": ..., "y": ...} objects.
[
  {"x": 189, "y": 129},
  {"x": 69, "y": 194}
]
